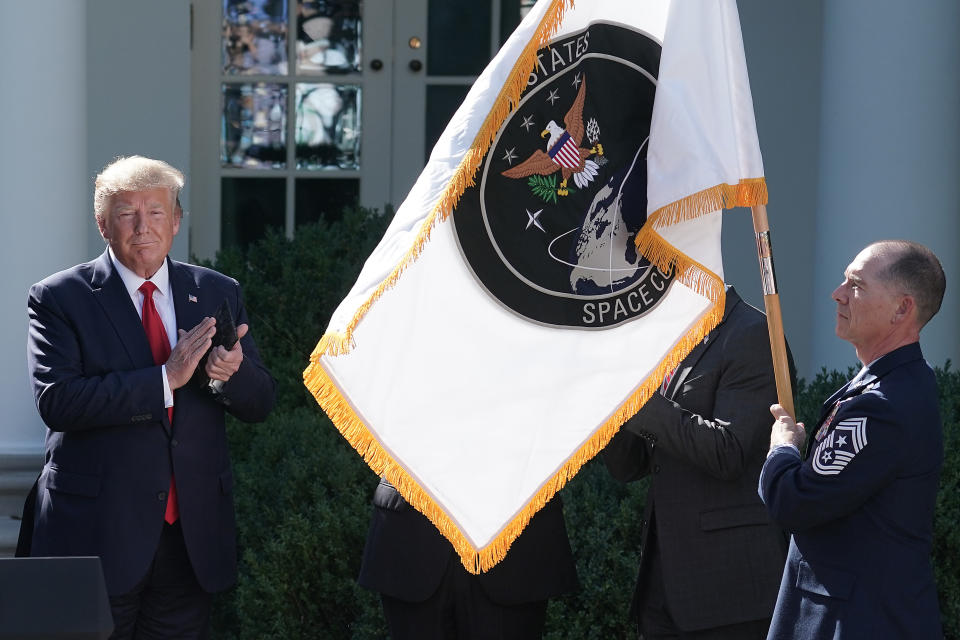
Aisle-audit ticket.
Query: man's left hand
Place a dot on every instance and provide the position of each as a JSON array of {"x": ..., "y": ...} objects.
[{"x": 223, "y": 363}]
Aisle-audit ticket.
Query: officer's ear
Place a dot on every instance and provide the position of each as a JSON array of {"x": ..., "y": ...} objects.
[{"x": 906, "y": 309}]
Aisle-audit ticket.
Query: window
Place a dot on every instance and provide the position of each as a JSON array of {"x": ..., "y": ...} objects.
[{"x": 303, "y": 107}]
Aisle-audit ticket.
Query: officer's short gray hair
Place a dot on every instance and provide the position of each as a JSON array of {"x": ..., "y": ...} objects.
[{"x": 917, "y": 271}]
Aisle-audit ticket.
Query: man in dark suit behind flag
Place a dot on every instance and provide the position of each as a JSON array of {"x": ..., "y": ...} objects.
[
  {"x": 711, "y": 558},
  {"x": 860, "y": 503},
  {"x": 136, "y": 468},
  {"x": 428, "y": 595}
]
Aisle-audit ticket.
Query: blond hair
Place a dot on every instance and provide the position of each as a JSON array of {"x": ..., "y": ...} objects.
[{"x": 135, "y": 173}]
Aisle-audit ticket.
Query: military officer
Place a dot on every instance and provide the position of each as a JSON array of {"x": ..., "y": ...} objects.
[{"x": 860, "y": 504}]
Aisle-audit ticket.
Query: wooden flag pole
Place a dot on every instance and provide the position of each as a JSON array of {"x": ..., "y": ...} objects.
[{"x": 771, "y": 300}]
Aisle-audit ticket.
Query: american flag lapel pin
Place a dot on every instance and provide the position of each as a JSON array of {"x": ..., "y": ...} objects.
[{"x": 191, "y": 298}]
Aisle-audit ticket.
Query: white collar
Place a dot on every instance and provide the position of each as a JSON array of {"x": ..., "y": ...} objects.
[{"x": 132, "y": 281}]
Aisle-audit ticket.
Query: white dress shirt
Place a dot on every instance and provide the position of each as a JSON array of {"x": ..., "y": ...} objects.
[{"x": 162, "y": 300}]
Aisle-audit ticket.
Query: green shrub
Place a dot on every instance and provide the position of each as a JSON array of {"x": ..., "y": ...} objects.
[
  {"x": 946, "y": 523},
  {"x": 302, "y": 500},
  {"x": 303, "y": 495},
  {"x": 291, "y": 287},
  {"x": 603, "y": 521}
]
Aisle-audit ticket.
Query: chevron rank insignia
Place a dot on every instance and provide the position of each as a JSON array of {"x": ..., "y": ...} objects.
[{"x": 840, "y": 446}]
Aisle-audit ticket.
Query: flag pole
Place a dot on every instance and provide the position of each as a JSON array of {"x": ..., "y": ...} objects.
[{"x": 771, "y": 300}]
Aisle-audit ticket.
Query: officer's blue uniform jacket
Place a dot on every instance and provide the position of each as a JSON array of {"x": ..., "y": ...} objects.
[{"x": 860, "y": 508}]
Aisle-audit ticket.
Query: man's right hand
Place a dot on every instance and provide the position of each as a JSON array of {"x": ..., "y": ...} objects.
[
  {"x": 191, "y": 345},
  {"x": 785, "y": 430}
]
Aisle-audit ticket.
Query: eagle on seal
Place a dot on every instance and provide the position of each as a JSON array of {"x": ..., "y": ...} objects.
[{"x": 564, "y": 152}]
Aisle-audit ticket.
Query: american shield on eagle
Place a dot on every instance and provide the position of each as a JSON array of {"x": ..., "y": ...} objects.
[
  {"x": 549, "y": 228},
  {"x": 564, "y": 153}
]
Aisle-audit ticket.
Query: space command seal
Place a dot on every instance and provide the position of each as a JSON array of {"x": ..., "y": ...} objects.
[{"x": 549, "y": 227}]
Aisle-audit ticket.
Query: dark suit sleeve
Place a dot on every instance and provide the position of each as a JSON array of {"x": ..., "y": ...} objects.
[
  {"x": 720, "y": 443},
  {"x": 250, "y": 393},
  {"x": 70, "y": 396},
  {"x": 627, "y": 456}
]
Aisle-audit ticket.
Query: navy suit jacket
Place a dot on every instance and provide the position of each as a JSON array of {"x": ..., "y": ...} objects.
[
  {"x": 860, "y": 508},
  {"x": 110, "y": 447}
]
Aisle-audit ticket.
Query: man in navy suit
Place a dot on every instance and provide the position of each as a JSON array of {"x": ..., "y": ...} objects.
[
  {"x": 136, "y": 468},
  {"x": 860, "y": 504}
]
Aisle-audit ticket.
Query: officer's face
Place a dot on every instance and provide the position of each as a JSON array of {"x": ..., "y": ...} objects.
[{"x": 866, "y": 304}]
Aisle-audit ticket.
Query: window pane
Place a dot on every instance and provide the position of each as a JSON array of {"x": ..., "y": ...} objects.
[
  {"x": 328, "y": 126},
  {"x": 458, "y": 37},
  {"x": 511, "y": 13},
  {"x": 248, "y": 206},
  {"x": 325, "y": 198},
  {"x": 328, "y": 36},
  {"x": 442, "y": 102},
  {"x": 253, "y": 128},
  {"x": 254, "y": 36}
]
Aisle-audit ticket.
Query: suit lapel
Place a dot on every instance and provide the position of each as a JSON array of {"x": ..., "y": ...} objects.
[
  {"x": 837, "y": 396},
  {"x": 828, "y": 411},
  {"x": 874, "y": 372},
  {"x": 859, "y": 383},
  {"x": 186, "y": 306},
  {"x": 187, "y": 302},
  {"x": 108, "y": 290},
  {"x": 688, "y": 363}
]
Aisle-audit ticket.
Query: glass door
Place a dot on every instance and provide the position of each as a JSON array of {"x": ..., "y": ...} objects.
[
  {"x": 441, "y": 48},
  {"x": 303, "y": 107},
  {"x": 282, "y": 134}
]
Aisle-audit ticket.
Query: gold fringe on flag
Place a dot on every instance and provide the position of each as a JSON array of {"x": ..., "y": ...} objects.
[
  {"x": 660, "y": 253},
  {"x": 335, "y": 343},
  {"x": 748, "y": 192},
  {"x": 650, "y": 244}
]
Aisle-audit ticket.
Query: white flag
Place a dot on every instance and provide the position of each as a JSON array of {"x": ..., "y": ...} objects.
[{"x": 559, "y": 254}]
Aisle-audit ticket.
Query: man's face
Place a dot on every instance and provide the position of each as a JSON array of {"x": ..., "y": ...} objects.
[
  {"x": 139, "y": 226},
  {"x": 866, "y": 304}
]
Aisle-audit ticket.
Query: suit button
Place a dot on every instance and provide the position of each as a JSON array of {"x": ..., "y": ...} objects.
[
  {"x": 656, "y": 468},
  {"x": 161, "y": 496},
  {"x": 174, "y": 442}
]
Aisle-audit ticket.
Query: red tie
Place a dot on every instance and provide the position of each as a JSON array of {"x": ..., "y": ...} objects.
[
  {"x": 160, "y": 348},
  {"x": 666, "y": 381}
]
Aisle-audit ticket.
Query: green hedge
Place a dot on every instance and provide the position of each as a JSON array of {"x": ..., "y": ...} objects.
[
  {"x": 292, "y": 286},
  {"x": 946, "y": 524},
  {"x": 303, "y": 495}
]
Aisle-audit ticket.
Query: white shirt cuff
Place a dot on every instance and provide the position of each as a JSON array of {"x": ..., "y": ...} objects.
[
  {"x": 167, "y": 391},
  {"x": 786, "y": 447}
]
